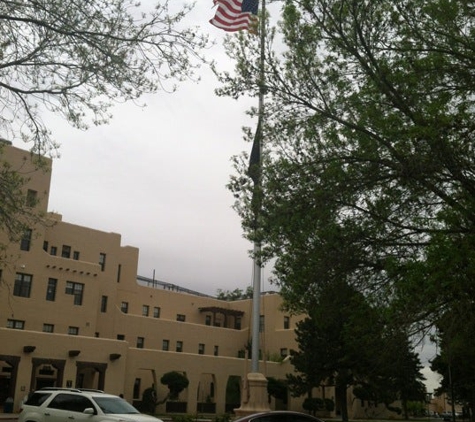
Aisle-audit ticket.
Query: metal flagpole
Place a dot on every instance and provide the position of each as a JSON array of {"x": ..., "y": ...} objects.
[{"x": 256, "y": 296}]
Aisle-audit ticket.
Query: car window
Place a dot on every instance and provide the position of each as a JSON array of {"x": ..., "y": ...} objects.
[
  {"x": 36, "y": 399},
  {"x": 115, "y": 405},
  {"x": 71, "y": 402}
]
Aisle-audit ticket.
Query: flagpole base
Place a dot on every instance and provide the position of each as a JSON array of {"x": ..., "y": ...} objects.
[{"x": 254, "y": 397}]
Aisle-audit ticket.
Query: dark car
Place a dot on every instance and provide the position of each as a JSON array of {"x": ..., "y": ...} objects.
[{"x": 278, "y": 416}]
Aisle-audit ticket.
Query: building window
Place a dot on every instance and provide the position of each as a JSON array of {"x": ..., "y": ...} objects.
[
  {"x": 76, "y": 255},
  {"x": 102, "y": 261},
  {"x": 165, "y": 345},
  {"x": 75, "y": 289},
  {"x": 22, "y": 286},
  {"x": 286, "y": 323},
  {"x": 48, "y": 328},
  {"x": 140, "y": 342},
  {"x": 73, "y": 331},
  {"x": 208, "y": 320},
  {"x": 45, "y": 245},
  {"x": 262, "y": 324},
  {"x": 284, "y": 352},
  {"x": 124, "y": 307},
  {"x": 179, "y": 346},
  {"x": 180, "y": 317},
  {"x": 119, "y": 270},
  {"x": 216, "y": 350},
  {"x": 156, "y": 312},
  {"x": 66, "y": 251},
  {"x": 145, "y": 310},
  {"x": 237, "y": 323},
  {"x": 136, "y": 393},
  {"x": 104, "y": 304},
  {"x": 16, "y": 324},
  {"x": 31, "y": 198},
  {"x": 120, "y": 337},
  {"x": 25, "y": 243},
  {"x": 51, "y": 289},
  {"x": 53, "y": 251},
  {"x": 201, "y": 349}
]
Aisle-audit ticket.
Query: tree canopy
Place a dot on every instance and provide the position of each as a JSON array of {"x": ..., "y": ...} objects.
[
  {"x": 368, "y": 165},
  {"x": 75, "y": 58}
]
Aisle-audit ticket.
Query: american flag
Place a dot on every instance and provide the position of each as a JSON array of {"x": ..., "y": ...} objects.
[{"x": 236, "y": 15}]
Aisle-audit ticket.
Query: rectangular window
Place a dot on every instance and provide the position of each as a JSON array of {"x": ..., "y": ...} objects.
[
  {"x": 75, "y": 289},
  {"x": 208, "y": 320},
  {"x": 31, "y": 198},
  {"x": 140, "y": 342},
  {"x": 48, "y": 328},
  {"x": 104, "y": 304},
  {"x": 262, "y": 324},
  {"x": 137, "y": 383},
  {"x": 165, "y": 345},
  {"x": 53, "y": 251},
  {"x": 16, "y": 324},
  {"x": 201, "y": 349},
  {"x": 216, "y": 350},
  {"x": 286, "y": 323},
  {"x": 120, "y": 337},
  {"x": 25, "y": 243},
  {"x": 73, "y": 331},
  {"x": 102, "y": 261},
  {"x": 76, "y": 255},
  {"x": 45, "y": 245},
  {"x": 284, "y": 352},
  {"x": 237, "y": 323},
  {"x": 51, "y": 289},
  {"x": 124, "y": 307},
  {"x": 179, "y": 346},
  {"x": 22, "y": 286},
  {"x": 119, "y": 270},
  {"x": 66, "y": 251},
  {"x": 180, "y": 317},
  {"x": 156, "y": 312},
  {"x": 145, "y": 310}
]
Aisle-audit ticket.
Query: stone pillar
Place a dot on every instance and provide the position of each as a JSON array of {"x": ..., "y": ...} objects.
[{"x": 254, "y": 397}]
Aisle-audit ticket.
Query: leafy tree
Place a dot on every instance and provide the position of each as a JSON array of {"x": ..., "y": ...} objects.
[
  {"x": 368, "y": 165},
  {"x": 76, "y": 58},
  {"x": 236, "y": 294},
  {"x": 456, "y": 357},
  {"x": 176, "y": 383},
  {"x": 277, "y": 389},
  {"x": 337, "y": 343}
]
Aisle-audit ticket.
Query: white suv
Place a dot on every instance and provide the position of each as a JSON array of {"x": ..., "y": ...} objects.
[{"x": 62, "y": 404}]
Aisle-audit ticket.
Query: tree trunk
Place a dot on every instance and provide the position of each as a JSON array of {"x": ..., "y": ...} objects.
[{"x": 340, "y": 393}]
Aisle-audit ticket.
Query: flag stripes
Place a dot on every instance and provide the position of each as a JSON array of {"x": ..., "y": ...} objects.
[{"x": 236, "y": 15}]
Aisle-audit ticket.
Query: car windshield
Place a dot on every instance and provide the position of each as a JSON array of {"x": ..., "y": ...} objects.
[{"x": 115, "y": 405}]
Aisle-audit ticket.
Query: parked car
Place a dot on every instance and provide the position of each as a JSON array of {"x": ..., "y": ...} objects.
[
  {"x": 278, "y": 416},
  {"x": 62, "y": 404}
]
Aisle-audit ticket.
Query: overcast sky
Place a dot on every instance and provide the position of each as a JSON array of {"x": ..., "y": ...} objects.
[{"x": 157, "y": 176}]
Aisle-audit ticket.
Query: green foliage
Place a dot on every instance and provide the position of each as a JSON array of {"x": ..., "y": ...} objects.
[
  {"x": 176, "y": 383},
  {"x": 183, "y": 418},
  {"x": 277, "y": 389},
  {"x": 369, "y": 159},
  {"x": 236, "y": 294},
  {"x": 77, "y": 58}
]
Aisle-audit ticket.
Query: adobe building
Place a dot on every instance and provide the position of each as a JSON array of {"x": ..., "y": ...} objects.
[{"x": 73, "y": 313}]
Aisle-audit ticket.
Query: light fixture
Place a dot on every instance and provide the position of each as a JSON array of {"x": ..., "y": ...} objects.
[
  {"x": 74, "y": 353},
  {"x": 29, "y": 349},
  {"x": 114, "y": 356}
]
